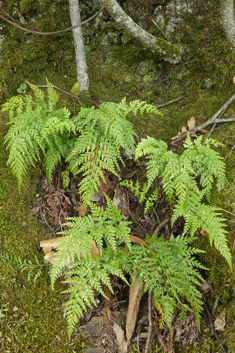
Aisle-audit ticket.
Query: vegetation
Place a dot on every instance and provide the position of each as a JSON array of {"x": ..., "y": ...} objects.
[
  {"x": 117, "y": 67},
  {"x": 167, "y": 268}
]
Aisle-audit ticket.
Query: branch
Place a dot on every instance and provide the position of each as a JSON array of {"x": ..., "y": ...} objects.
[
  {"x": 150, "y": 321},
  {"x": 212, "y": 120},
  {"x": 227, "y": 16},
  {"x": 51, "y": 33},
  {"x": 170, "y": 102},
  {"x": 163, "y": 47},
  {"x": 60, "y": 89}
]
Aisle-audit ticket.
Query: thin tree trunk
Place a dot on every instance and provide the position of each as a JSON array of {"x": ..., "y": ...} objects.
[
  {"x": 227, "y": 15},
  {"x": 82, "y": 75},
  {"x": 163, "y": 47}
]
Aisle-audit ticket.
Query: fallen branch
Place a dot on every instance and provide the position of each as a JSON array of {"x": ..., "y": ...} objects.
[
  {"x": 160, "y": 226},
  {"x": 160, "y": 30},
  {"x": 212, "y": 120},
  {"x": 170, "y": 102},
  {"x": 150, "y": 322}
]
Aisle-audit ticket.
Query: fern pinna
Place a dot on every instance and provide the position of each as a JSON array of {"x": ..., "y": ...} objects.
[{"x": 179, "y": 173}]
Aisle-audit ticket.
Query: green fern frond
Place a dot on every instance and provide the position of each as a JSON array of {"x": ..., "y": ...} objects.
[
  {"x": 167, "y": 268},
  {"x": 83, "y": 271},
  {"x": 137, "y": 105},
  {"x": 34, "y": 270},
  {"x": 179, "y": 175},
  {"x": 37, "y": 127}
]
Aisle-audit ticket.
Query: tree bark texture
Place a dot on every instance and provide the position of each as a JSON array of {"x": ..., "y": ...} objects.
[
  {"x": 82, "y": 75},
  {"x": 227, "y": 15},
  {"x": 163, "y": 47}
]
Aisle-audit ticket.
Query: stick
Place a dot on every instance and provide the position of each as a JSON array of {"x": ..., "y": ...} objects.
[
  {"x": 210, "y": 121},
  {"x": 167, "y": 103},
  {"x": 160, "y": 226},
  {"x": 150, "y": 321},
  {"x": 160, "y": 30},
  {"x": 51, "y": 33},
  {"x": 59, "y": 89}
]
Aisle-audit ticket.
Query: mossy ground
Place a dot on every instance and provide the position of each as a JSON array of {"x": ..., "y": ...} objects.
[{"x": 30, "y": 314}]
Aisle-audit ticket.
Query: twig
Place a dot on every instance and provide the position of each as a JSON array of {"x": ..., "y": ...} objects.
[
  {"x": 62, "y": 70},
  {"x": 160, "y": 30},
  {"x": 212, "y": 120},
  {"x": 170, "y": 102},
  {"x": 160, "y": 226},
  {"x": 51, "y": 33},
  {"x": 59, "y": 89},
  {"x": 150, "y": 322},
  {"x": 7, "y": 14},
  {"x": 221, "y": 346},
  {"x": 230, "y": 152},
  {"x": 45, "y": 222},
  {"x": 213, "y": 127}
]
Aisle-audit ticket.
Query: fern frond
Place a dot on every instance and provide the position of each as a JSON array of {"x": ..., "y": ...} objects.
[
  {"x": 179, "y": 175},
  {"x": 33, "y": 269},
  {"x": 136, "y": 106},
  {"x": 167, "y": 268}
]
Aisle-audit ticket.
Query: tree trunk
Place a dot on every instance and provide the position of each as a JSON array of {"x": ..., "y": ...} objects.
[
  {"x": 163, "y": 47},
  {"x": 227, "y": 15},
  {"x": 82, "y": 75}
]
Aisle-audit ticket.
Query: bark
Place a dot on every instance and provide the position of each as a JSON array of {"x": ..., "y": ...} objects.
[
  {"x": 227, "y": 15},
  {"x": 82, "y": 75},
  {"x": 147, "y": 39}
]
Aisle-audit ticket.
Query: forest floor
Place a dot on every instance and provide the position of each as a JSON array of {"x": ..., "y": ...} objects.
[{"x": 31, "y": 314}]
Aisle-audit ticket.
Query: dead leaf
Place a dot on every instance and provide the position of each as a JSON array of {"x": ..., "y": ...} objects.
[
  {"x": 193, "y": 134},
  {"x": 204, "y": 131},
  {"x": 120, "y": 336},
  {"x": 135, "y": 296},
  {"x": 35, "y": 210},
  {"x": 50, "y": 257},
  {"x": 191, "y": 123},
  {"x": 205, "y": 288},
  {"x": 49, "y": 244},
  {"x": 137, "y": 240},
  {"x": 220, "y": 322},
  {"x": 81, "y": 210}
]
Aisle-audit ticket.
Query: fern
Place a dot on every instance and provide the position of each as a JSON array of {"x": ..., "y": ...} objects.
[
  {"x": 103, "y": 133},
  {"x": 38, "y": 128},
  {"x": 34, "y": 269},
  {"x": 83, "y": 271},
  {"x": 149, "y": 201},
  {"x": 179, "y": 173},
  {"x": 169, "y": 270}
]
